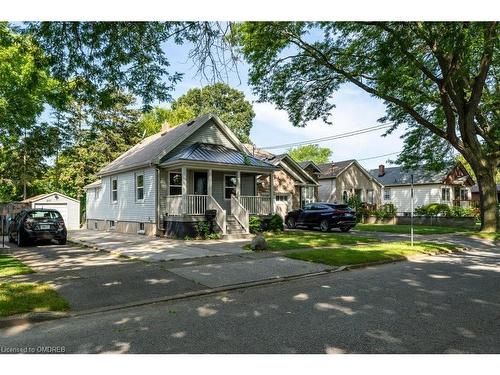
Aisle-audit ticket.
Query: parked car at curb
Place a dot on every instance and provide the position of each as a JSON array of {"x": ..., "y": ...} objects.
[
  {"x": 323, "y": 215},
  {"x": 37, "y": 224}
]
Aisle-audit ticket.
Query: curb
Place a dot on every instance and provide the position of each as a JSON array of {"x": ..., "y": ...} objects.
[{"x": 30, "y": 318}]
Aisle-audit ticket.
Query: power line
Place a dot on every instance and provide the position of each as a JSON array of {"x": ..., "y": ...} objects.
[
  {"x": 331, "y": 137},
  {"x": 379, "y": 156}
]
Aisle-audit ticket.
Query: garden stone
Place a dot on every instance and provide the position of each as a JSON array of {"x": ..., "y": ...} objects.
[{"x": 259, "y": 243}]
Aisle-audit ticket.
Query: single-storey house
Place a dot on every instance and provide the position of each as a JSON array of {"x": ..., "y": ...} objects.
[
  {"x": 68, "y": 207},
  {"x": 451, "y": 186},
  {"x": 340, "y": 180},
  {"x": 293, "y": 185},
  {"x": 166, "y": 183}
]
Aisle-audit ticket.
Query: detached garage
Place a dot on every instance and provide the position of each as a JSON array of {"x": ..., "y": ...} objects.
[{"x": 68, "y": 207}]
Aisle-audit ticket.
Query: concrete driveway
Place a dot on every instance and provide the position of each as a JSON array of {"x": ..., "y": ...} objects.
[
  {"x": 153, "y": 249},
  {"x": 438, "y": 304}
]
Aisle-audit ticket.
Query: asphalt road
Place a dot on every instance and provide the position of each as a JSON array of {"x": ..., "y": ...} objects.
[{"x": 440, "y": 304}]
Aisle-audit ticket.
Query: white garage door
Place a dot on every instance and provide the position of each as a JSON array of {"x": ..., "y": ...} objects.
[{"x": 61, "y": 207}]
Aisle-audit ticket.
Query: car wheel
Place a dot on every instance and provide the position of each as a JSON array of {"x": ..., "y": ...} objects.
[
  {"x": 20, "y": 240},
  {"x": 62, "y": 242},
  {"x": 290, "y": 223},
  {"x": 345, "y": 229},
  {"x": 324, "y": 226}
]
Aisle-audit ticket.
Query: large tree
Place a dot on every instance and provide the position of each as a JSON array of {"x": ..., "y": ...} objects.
[
  {"x": 223, "y": 100},
  {"x": 439, "y": 80},
  {"x": 314, "y": 153}
]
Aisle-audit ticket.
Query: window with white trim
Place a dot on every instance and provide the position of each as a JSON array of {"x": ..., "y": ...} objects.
[
  {"x": 445, "y": 194},
  {"x": 175, "y": 183},
  {"x": 370, "y": 197},
  {"x": 307, "y": 195},
  {"x": 141, "y": 227},
  {"x": 387, "y": 194},
  {"x": 282, "y": 198},
  {"x": 112, "y": 224},
  {"x": 139, "y": 186},
  {"x": 114, "y": 190},
  {"x": 464, "y": 194},
  {"x": 97, "y": 191},
  {"x": 229, "y": 186}
]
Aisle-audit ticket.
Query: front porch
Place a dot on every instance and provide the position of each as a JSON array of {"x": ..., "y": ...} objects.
[{"x": 188, "y": 191}]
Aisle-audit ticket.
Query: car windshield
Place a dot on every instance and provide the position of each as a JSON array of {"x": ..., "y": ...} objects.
[
  {"x": 43, "y": 215},
  {"x": 339, "y": 206}
]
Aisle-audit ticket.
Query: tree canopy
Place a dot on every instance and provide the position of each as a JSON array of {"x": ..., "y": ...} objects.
[
  {"x": 438, "y": 80},
  {"x": 318, "y": 155}
]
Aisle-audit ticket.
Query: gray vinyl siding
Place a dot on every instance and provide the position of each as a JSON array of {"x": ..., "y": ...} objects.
[
  {"x": 127, "y": 208},
  {"x": 209, "y": 133}
]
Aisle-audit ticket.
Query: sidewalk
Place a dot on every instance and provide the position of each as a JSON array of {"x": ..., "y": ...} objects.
[{"x": 153, "y": 249}]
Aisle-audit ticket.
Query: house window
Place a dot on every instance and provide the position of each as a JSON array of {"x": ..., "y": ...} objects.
[
  {"x": 141, "y": 228},
  {"x": 359, "y": 194},
  {"x": 95, "y": 224},
  {"x": 345, "y": 197},
  {"x": 369, "y": 196},
  {"x": 175, "y": 183},
  {"x": 445, "y": 194},
  {"x": 97, "y": 191},
  {"x": 464, "y": 194},
  {"x": 139, "y": 187},
  {"x": 307, "y": 195},
  {"x": 387, "y": 194},
  {"x": 114, "y": 190},
  {"x": 112, "y": 224},
  {"x": 229, "y": 186},
  {"x": 281, "y": 198}
]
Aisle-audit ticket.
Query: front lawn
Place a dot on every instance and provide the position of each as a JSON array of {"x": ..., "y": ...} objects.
[
  {"x": 17, "y": 298},
  {"x": 369, "y": 253},
  {"x": 10, "y": 266},
  {"x": 304, "y": 239},
  {"x": 417, "y": 229}
]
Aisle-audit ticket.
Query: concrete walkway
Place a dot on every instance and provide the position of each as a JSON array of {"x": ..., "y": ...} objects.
[{"x": 153, "y": 249}]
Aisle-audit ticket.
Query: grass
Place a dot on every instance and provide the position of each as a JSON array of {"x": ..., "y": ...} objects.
[
  {"x": 417, "y": 229},
  {"x": 10, "y": 266},
  {"x": 17, "y": 298},
  {"x": 369, "y": 253},
  {"x": 304, "y": 239}
]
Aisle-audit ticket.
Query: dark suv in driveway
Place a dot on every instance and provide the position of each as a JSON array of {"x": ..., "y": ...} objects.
[
  {"x": 324, "y": 215},
  {"x": 37, "y": 224}
]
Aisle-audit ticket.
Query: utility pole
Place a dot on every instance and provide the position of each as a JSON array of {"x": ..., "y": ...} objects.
[{"x": 411, "y": 218}]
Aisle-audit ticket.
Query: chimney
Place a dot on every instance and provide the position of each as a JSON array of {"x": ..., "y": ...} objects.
[{"x": 381, "y": 170}]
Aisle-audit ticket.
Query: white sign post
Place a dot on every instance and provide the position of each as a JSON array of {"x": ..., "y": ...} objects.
[{"x": 411, "y": 220}]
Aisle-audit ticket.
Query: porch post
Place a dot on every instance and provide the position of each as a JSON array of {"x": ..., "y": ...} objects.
[
  {"x": 238, "y": 184},
  {"x": 184, "y": 189},
  {"x": 209, "y": 182},
  {"x": 271, "y": 192}
]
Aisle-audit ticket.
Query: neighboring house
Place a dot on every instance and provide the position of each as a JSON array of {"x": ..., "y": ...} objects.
[
  {"x": 166, "y": 183},
  {"x": 68, "y": 207},
  {"x": 311, "y": 168},
  {"x": 452, "y": 186},
  {"x": 343, "y": 179},
  {"x": 475, "y": 194},
  {"x": 293, "y": 185}
]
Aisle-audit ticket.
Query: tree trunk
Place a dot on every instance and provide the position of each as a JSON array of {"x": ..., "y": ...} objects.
[{"x": 488, "y": 201}]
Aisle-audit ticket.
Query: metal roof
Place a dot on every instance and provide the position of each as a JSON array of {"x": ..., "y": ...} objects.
[
  {"x": 401, "y": 176},
  {"x": 218, "y": 154}
]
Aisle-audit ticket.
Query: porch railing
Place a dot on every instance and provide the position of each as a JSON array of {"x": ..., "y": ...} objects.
[
  {"x": 220, "y": 217},
  {"x": 256, "y": 205},
  {"x": 240, "y": 213},
  {"x": 196, "y": 204}
]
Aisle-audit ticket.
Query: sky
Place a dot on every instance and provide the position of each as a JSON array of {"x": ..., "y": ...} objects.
[{"x": 354, "y": 110}]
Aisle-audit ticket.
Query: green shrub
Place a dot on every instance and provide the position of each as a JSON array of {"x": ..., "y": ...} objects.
[
  {"x": 438, "y": 209},
  {"x": 275, "y": 223},
  {"x": 389, "y": 210},
  {"x": 255, "y": 224},
  {"x": 202, "y": 229}
]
